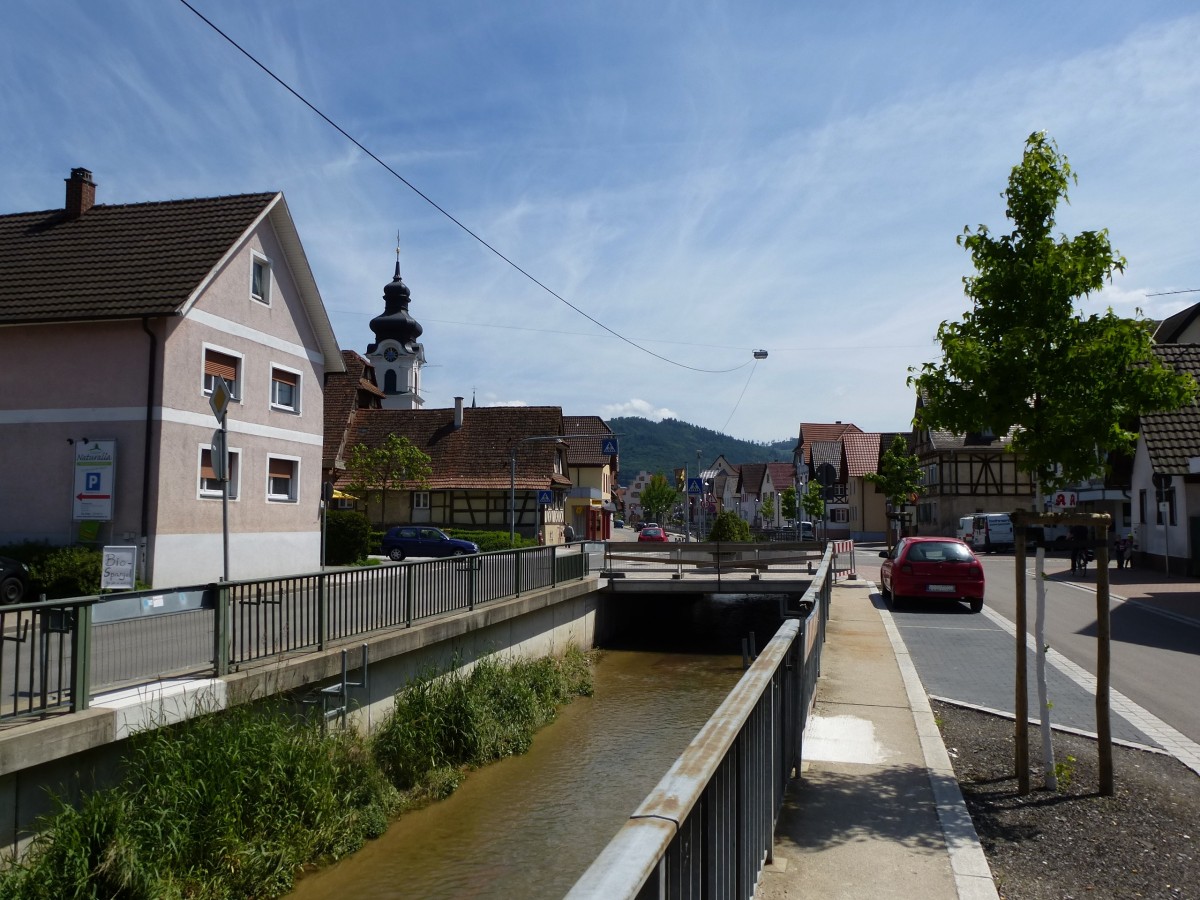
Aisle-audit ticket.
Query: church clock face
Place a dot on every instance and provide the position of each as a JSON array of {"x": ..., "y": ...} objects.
[{"x": 390, "y": 354}]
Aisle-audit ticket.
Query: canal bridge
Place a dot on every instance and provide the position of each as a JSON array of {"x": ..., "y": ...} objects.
[{"x": 78, "y": 676}]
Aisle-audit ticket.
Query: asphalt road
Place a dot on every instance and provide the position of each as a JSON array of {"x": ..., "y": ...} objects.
[{"x": 1155, "y": 655}]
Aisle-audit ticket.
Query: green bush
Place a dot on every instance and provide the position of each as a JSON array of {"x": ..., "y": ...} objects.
[
  {"x": 451, "y": 721},
  {"x": 67, "y": 572},
  {"x": 348, "y": 538},
  {"x": 729, "y": 526}
]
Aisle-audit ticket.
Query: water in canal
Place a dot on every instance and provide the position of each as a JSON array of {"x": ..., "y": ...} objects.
[{"x": 529, "y": 826}]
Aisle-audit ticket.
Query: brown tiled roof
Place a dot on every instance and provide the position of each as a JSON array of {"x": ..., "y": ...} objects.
[
  {"x": 478, "y": 455},
  {"x": 346, "y": 393},
  {"x": 1172, "y": 438},
  {"x": 586, "y": 435},
  {"x": 751, "y": 478},
  {"x": 1169, "y": 329},
  {"x": 783, "y": 475},
  {"x": 116, "y": 261}
]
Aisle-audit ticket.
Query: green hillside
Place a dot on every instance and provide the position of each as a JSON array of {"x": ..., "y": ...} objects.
[{"x": 670, "y": 444}]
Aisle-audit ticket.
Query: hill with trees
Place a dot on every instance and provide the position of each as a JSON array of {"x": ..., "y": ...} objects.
[{"x": 670, "y": 444}]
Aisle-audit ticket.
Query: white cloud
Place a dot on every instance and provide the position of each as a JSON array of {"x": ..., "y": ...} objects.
[{"x": 636, "y": 407}]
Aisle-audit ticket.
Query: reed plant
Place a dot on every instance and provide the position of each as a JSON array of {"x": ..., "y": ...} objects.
[
  {"x": 236, "y": 803},
  {"x": 450, "y": 721}
]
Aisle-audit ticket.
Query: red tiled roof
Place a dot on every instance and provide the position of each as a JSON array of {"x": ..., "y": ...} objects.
[
  {"x": 751, "y": 479},
  {"x": 812, "y": 431},
  {"x": 862, "y": 453},
  {"x": 479, "y": 454},
  {"x": 116, "y": 261},
  {"x": 783, "y": 475}
]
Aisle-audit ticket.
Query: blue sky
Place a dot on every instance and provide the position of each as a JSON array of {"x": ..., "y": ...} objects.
[{"x": 703, "y": 178}]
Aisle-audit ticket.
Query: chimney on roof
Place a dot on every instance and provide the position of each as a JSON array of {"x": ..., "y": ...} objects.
[
  {"x": 81, "y": 193},
  {"x": 458, "y": 413}
]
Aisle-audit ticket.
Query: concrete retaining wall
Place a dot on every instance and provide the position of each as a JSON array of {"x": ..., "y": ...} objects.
[{"x": 73, "y": 754}]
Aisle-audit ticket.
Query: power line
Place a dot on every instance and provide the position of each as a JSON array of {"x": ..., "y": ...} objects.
[
  {"x": 740, "y": 396},
  {"x": 1167, "y": 293},
  {"x": 408, "y": 184}
]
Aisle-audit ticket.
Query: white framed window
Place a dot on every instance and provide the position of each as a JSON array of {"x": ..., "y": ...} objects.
[
  {"x": 283, "y": 479},
  {"x": 260, "y": 278},
  {"x": 209, "y": 484},
  {"x": 219, "y": 363},
  {"x": 285, "y": 389},
  {"x": 839, "y": 515},
  {"x": 421, "y": 500}
]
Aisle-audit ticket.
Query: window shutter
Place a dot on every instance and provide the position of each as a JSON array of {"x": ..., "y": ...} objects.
[
  {"x": 280, "y": 468},
  {"x": 220, "y": 365},
  {"x": 285, "y": 377},
  {"x": 206, "y": 468}
]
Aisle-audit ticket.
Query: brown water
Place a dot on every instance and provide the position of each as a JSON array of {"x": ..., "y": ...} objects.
[{"x": 529, "y": 826}]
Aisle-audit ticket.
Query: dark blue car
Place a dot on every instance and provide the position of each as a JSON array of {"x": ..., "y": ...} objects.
[{"x": 403, "y": 541}]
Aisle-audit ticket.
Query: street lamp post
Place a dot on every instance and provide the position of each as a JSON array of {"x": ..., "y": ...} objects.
[{"x": 512, "y": 479}]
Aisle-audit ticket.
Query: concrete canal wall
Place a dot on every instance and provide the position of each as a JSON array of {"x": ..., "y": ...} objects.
[{"x": 72, "y": 754}]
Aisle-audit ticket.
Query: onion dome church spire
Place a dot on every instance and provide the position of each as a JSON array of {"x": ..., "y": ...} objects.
[{"x": 396, "y": 353}]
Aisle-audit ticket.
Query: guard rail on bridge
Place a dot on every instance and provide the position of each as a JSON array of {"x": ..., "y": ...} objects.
[
  {"x": 56, "y": 655},
  {"x": 709, "y": 826}
]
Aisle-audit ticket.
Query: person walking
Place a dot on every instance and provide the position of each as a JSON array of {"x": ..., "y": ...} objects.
[
  {"x": 1121, "y": 550},
  {"x": 1079, "y": 551}
]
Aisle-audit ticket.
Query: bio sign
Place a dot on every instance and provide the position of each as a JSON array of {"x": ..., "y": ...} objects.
[
  {"x": 95, "y": 468},
  {"x": 118, "y": 568}
]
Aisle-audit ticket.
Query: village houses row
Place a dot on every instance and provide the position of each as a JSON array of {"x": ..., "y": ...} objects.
[{"x": 117, "y": 320}]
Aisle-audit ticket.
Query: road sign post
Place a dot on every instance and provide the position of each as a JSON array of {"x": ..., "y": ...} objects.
[{"x": 218, "y": 400}]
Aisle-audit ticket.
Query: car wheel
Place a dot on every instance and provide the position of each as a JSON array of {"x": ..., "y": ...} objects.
[
  {"x": 897, "y": 601},
  {"x": 883, "y": 589},
  {"x": 459, "y": 551},
  {"x": 977, "y": 605},
  {"x": 396, "y": 554},
  {"x": 11, "y": 590}
]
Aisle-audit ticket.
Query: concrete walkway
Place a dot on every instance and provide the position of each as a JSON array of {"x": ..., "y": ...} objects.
[{"x": 877, "y": 812}]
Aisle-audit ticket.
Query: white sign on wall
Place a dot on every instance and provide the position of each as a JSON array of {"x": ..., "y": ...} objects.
[
  {"x": 1065, "y": 500},
  {"x": 95, "y": 468}
]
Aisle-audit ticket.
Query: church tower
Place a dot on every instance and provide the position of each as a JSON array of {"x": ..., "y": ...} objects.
[{"x": 397, "y": 356}]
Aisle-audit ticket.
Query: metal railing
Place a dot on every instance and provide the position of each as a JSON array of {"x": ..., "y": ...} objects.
[
  {"x": 708, "y": 828},
  {"x": 57, "y": 654}
]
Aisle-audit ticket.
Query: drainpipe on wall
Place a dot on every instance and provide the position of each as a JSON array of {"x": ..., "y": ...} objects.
[{"x": 144, "y": 540}]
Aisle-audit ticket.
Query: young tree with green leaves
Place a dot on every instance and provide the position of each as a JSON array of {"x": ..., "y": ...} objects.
[
  {"x": 813, "y": 501},
  {"x": 729, "y": 526},
  {"x": 768, "y": 510},
  {"x": 898, "y": 476},
  {"x": 1026, "y": 359},
  {"x": 789, "y": 503},
  {"x": 658, "y": 497},
  {"x": 398, "y": 463}
]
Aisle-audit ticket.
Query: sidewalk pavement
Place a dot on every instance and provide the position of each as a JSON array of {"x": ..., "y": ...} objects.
[{"x": 877, "y": 811}]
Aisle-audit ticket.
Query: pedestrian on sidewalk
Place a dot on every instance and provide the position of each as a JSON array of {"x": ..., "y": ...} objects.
[
  {"x": 1079, "y": 552},
  {"x": 1122, "y": 550}
]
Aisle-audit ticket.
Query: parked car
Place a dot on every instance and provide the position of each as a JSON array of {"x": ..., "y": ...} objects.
[
  {"x": 653, "y": 534},
  {"x": 618, "y": 523},
  {"x": 14, "y": 580},
  {"x": 993, "y": 531},
  {"x": 402, "y": 541},
  {"x": 808, "y": 531},
  {"x": 931, "y": 568},
  {"x": 966, "y": 529}
]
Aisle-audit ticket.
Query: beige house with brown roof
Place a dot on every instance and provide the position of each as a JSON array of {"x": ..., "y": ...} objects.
[
  {"x": 115, "y": 321},
  {"x": 590, "y": 506}
]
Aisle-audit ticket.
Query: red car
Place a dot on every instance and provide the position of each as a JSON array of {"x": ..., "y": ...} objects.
[
  {"x": 931, "y": 568},
  {"x": 653, "y": 534}
]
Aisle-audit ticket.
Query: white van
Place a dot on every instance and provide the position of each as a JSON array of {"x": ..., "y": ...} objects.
[
  {"x": 966, "y": 529},
  {"x": 993, "y": 531}
]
